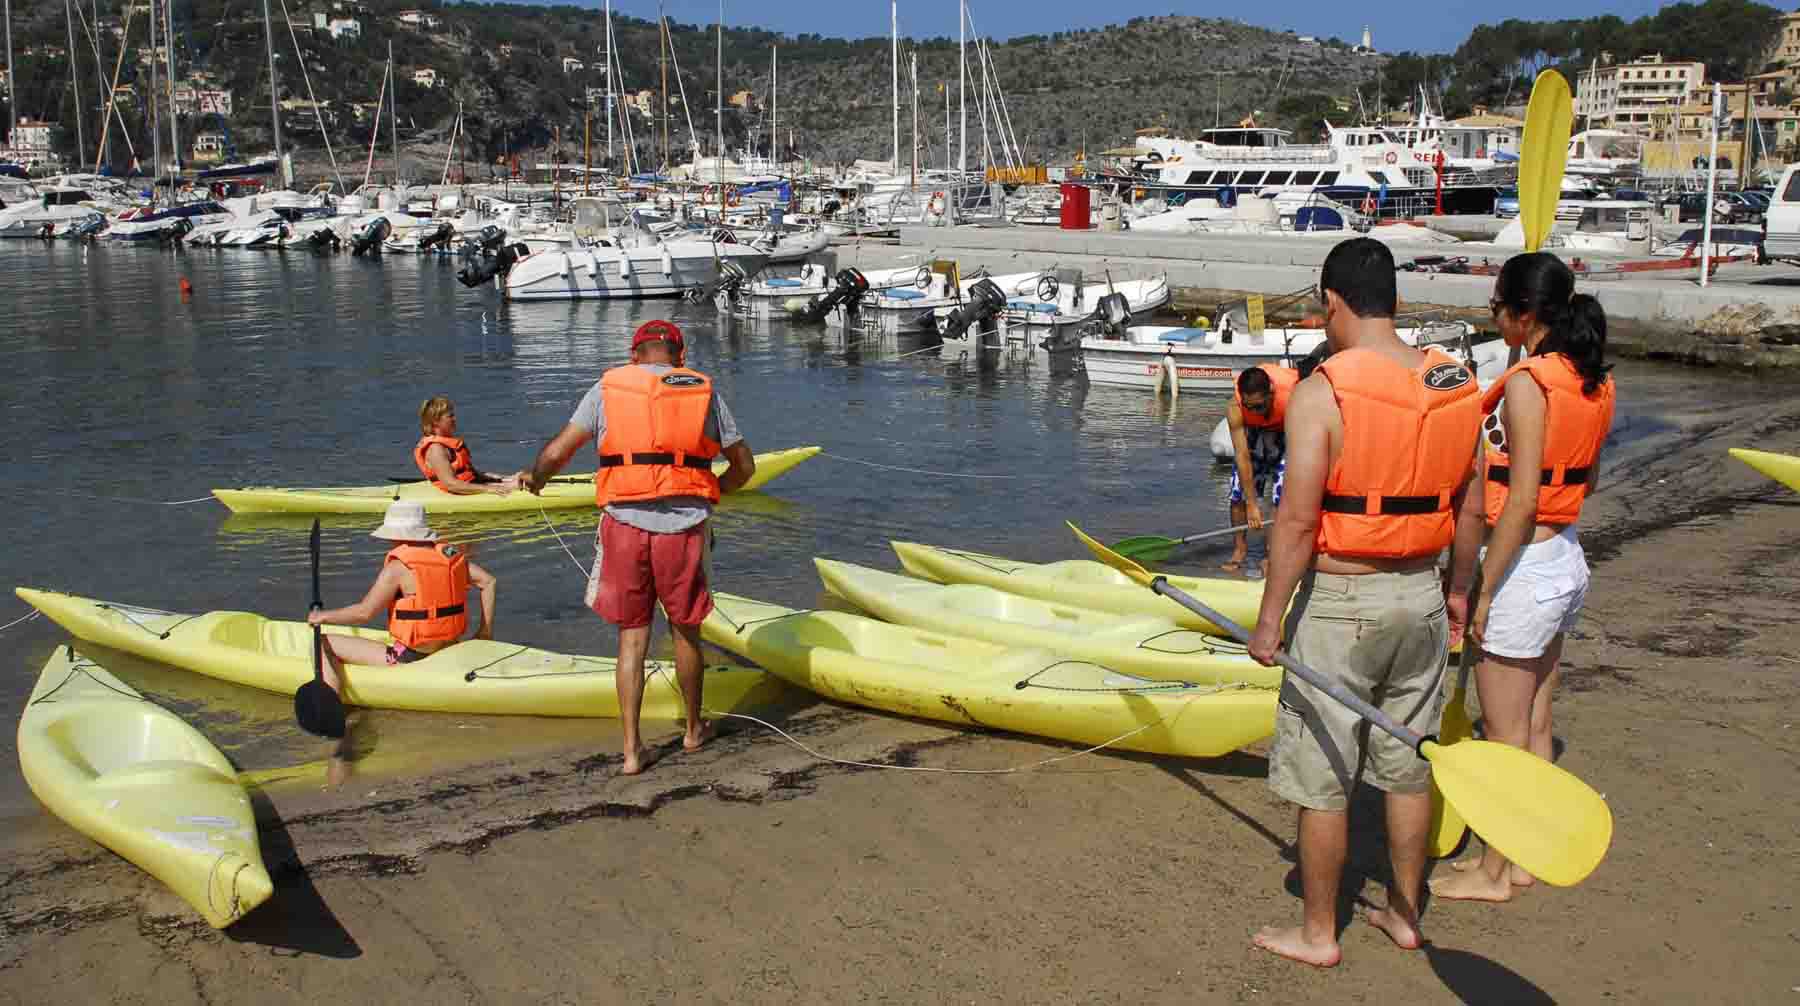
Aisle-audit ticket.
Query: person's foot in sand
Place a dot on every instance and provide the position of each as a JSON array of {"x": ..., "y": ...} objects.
[
  {"x": 697, "y": 738},
  {"x": 1293, "y": 944},
  {"x": 1402, "y": 930},
  {"x": 1520, "y": 877},
  {"x": 636, "y": 761},
  {"x": 1472, "y": 885},
  {"x": 1235, "y": 564}
]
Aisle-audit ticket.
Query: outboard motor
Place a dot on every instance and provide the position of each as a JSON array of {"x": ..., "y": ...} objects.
[
  {"x": 88, "y": 228},
  {"x": 177, "y": 229},
  {"x": 486, "y": 266},
  {"x": 324, "y": 239},
  {"x": 486, "y": 241},
  {"x": 445, "y": 231},
  {"x": 851, "y": 285},
  {"x": 1111, "y": 314},
  {"x": 368, "y": 241},
  {"x": 986, "y": 301},
  {"x": 732, "y": 278}
]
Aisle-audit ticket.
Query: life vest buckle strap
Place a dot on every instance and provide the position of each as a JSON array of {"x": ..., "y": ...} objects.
[
  {"x": 1375, "y": 504},
  {"x": 1502, "y": 475},
  {"x": 418, "y": 615},
  {"x": 654, "y": 458}
]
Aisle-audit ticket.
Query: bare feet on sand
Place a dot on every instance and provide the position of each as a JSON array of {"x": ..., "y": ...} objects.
[
  {"x": 1403, "y": 931},
  {"x": 635, "y": 762},
  {"x": 1293, "y": 944},
  {"x": 1235, "y": 565},
  {"x": 1472, "y": 885},
  {"x": 695, "y": 740},
  {"x": 1520, "y": 878}
]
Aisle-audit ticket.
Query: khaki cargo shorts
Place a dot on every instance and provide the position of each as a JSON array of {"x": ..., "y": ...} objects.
[{"x": 1386, "y": 637}]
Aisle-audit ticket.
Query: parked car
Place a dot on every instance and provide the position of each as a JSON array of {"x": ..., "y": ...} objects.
[
  {"x": 1781, "y": 225},
  {"x": 1631, "y": 195},
  {"x": 1728, "y": 207},
  {"x": 1506, "y": 203}
]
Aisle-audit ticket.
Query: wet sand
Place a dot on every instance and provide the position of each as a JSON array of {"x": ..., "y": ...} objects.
[{"x": 752, "y": 871}]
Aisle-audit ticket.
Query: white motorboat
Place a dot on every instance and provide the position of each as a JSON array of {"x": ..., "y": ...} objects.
[
  {"x": 1727, "y": 242},
  {"x": 1612, "y": 226},
  {"x": 769, "y": 297},
  {"x": 1057, "y": 306},
  {"x": 627, "y": 267},
  {"x": 938, "y": 286},
  {"x": 146, "y": 224},
  {"x": 53, "y": 213}
]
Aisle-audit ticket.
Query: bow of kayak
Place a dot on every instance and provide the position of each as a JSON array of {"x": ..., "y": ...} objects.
[
  {"x": 140, "y": 781},
  {"x": 1783, "y": 468},
  {"x": 770, "y": 465},
  {"x": 1083, "y": 583},
  {"x": 967, "y": 682},
  {"x": 474, "y": 676}
]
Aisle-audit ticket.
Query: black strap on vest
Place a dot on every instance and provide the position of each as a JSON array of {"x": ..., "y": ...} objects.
[
  {"x": 1502, "y": 475},
  {"x": 1391, "y": 506},
  {"x": 653, "y": 458},
  {"x": 404, "y": 615}
]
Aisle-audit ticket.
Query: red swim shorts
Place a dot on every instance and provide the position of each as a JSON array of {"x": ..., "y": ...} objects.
[{"x": 634, "y": 569}]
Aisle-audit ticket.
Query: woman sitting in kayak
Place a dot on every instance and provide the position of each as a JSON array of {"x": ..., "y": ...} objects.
[
  {"x": 443, "y": 458},
  {"x": 423, "y": 585}
]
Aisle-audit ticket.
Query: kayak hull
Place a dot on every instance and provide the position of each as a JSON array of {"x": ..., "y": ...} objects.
[
  {"x": 857, "y": 660},
  {"x": 1084, "y": 583},
  {"x": 475, "y": 676},
  {"x": 140, "y": 781},
  {"x": 556, "y": 496},
  {"x": 1148, "y": 646},
  {"x": 1783, "y": 468}
]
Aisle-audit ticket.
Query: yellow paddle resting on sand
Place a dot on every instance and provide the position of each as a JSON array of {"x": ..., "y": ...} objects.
[
  {"x": 1536, "y": 814},
  {"x": 1543, "y": 154},
  {"x": 1447, "y": 826}
]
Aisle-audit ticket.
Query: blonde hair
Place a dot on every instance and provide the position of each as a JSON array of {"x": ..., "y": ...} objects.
[{"x": 433, "y": 410}]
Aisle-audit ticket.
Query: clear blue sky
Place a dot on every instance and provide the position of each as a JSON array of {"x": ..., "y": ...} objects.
[{"x": 1396, "y": 25}]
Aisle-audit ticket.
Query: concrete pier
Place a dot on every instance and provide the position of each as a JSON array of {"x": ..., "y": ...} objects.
[{"x": 1670, "y": 312}]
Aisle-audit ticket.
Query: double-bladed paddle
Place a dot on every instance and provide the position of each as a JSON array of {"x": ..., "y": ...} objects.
[
  {"x": 1447, "y": 826},
  {"x": 565, "y": 479},
  {"x": 317, "y": 706},
  {"x": 1156, "y": 548},
  {"x": 1537, "y": 815},
  {"x": 1543, "y": 154}
]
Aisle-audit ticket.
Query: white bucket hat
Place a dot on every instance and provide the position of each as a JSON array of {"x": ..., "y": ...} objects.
[{"x": 404, "y": 521}]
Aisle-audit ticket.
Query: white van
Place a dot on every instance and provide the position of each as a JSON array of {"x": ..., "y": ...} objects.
[{"x": 1781, "y": 224}]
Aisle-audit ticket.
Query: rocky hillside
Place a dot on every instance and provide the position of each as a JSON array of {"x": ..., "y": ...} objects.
[{"x": 505, "y": 66}]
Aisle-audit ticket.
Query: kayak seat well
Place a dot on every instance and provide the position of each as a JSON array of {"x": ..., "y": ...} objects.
[{"x": 112, "y": 745}]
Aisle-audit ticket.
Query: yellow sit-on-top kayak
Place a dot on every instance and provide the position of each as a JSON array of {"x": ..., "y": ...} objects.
[
  {"x": 473, "y": 676},
  {"x": 1084, "y": 583},
  {"x": 1783, "y": 468},
  {"x": 567, "y": 492},
  {"x": 912, "y": 672},
  {"x": 1148, "y": 646},
  {"x": 137, "y": 779}
]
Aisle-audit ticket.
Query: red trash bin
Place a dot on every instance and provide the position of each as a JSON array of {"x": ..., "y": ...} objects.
[{"x": 1075, "y": 207}]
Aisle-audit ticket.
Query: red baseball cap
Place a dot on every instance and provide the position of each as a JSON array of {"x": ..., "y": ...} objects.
[{"x": 657, "y": 330}]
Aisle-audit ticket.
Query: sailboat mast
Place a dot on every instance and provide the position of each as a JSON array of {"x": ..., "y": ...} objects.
[
  {"x": 75, "y": 82},
  {"x": 915, "y": 116},
  {"x": 155, "y": 126},
  {"x": 662, "y": 57},
  {"x": 894, "y": 32},
  {"x": 774, "y": 140},
  {"x": 393, "y": 115},
  {"x": 719, "y": 73},
  {"x": 274, "y": 93},
  {"x": 962, "y": 84},
  {"x": 12, "y": 71},
  {"x": 609, "y": 83},
  {"x": 169, "y": 58}
]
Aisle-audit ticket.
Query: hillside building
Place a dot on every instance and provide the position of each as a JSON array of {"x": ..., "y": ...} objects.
[{"x": 1632, "y": 96}]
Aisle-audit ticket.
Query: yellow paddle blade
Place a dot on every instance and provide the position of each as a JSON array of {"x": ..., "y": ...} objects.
[
  {"x": 1536, "y": 814},
  {"x": 1456, "y": 725},
  {"x": 1447, "y": 826},
  {"x": 1113, "y": 559},
  {"x": 1543, "y": 153},
  {"x": 1783, "y": 468}
]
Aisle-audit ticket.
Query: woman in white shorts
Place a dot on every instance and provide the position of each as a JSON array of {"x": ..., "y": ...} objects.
[{"x": 1547, "y": 419}]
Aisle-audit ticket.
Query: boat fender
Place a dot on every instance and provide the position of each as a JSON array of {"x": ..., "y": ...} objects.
[
  {"x": 668, "y": 263},
  {"x": 937, "y": 204},
  {"x": 624, "y": 264}
]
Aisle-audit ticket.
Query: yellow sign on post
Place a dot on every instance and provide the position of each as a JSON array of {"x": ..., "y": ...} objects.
[{"x": 1255, "y": 310}]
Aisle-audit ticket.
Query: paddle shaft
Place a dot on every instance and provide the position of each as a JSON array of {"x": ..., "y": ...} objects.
[
  {"x": 411, "y": 479},
  {"x": 317, "y": 604},
  {"x": 1190, "y": 539},
  {"x": 1329, "y": 686}
]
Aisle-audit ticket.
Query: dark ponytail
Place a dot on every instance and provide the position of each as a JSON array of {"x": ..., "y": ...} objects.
[{"x": 1539, "y": 285}]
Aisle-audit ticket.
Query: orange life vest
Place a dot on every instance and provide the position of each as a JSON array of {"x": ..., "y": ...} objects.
[
  {"x": 1575, "y": 425},
  {"x": 438, "y": 613},
  {"x": 1409, "y": 436},
  {"x": 655, "y": 444},
  {"x": 1283, "y": 380},
  {"x": 460, "y": 464}
]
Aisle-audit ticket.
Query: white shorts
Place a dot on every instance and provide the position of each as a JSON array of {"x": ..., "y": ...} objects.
[{"x": 1538, "y": 597}]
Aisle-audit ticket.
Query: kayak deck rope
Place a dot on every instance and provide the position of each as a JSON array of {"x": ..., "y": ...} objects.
[
  {"x": 130, "y": 499},
  {"x": 1029, "y": 681},
  {"x": 20, "y": 621},
  {"x": 80, "y": 669},
  {"x": 125, "y": 611},
  {"x": 1208, "y": 645},
  {"x": 915, "y": 471}
]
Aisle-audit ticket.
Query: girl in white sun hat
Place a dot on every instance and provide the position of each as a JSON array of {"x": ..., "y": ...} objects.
[{"x": 424, "y": 587}]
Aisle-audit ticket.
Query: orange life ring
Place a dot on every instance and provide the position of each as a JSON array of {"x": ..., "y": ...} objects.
[
  {"x": 1392, "y": 158},
  {"x": 1368, "y": 204},
  {"x": 937, "y": 204}
]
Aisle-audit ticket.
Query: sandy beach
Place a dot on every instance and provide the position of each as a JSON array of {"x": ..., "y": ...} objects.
[{"x": 755, "y": 872}]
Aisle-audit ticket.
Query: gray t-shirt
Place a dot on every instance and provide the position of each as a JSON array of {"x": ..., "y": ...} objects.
[{"x": 664, "y": 516}]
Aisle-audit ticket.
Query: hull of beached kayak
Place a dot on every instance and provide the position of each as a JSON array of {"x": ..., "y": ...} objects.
[
  {"x": 1783, "y": 468},
  {"x": 1084, "y": 583},
  {"x": 474, "y": 676},
  {"x": 1149, "y": 646},
  {"x": 375, "y": 499},
  {"x": 140, "y": 781},
  {"x": 897, "y": 669}
]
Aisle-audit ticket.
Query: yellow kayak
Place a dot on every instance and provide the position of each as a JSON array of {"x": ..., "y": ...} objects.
[
  {"x": 134, "y": 777},
  {"x": 474, "y": 676},
  {"x": 569, "y": 492},
  {"x": 1084, "y": 583},
  {"x": 1783, "y": 468},
  {"x": 928, "y": 675},
  {"x": 1149, "y": 646}
]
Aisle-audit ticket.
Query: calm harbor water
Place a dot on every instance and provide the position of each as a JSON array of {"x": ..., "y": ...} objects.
[{"x": 119, "y": 396}]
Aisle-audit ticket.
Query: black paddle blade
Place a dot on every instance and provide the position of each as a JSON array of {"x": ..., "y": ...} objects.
[{"x": 319, "y": 710}]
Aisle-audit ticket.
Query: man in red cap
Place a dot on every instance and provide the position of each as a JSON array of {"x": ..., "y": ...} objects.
[{"x": 658, "y": 427}]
